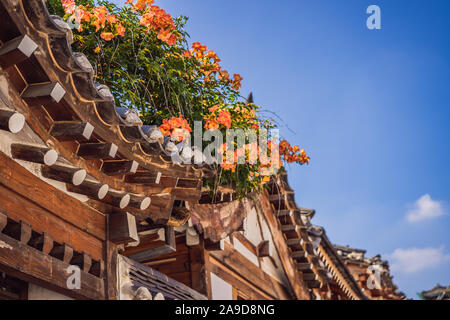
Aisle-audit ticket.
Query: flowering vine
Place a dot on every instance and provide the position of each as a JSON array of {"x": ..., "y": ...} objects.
[{"x": 141, "y": 52}]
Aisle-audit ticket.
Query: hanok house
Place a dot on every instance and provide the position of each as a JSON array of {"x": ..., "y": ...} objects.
[
  {"x": 437, "y": 293},
  {"x": 79, "y": 177},
  {"x": 372, "y": 274},
  {"x": 84, "y": 183}
]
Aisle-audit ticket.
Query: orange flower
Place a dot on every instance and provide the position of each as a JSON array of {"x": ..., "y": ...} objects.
[
  {"x": 212, "y": 55},
  {"x": 198, "y": 47},
  {"x": 99, "y": 14},
  {"x": 213, "y": 108},
  {"x": 69, "y": 6},
  {"x": 107, "y": 36},
  {"x": 211, "y": 124},
  {"x": 120, "y": 30},
  {"x": 177, "y": 127},
  {"x": 158, "y": 20},
  {"x": 83, "y": 14},
  {"x": 97, "y": 50},
  {"x": 227, "y": 166},
  {"x": 225, "y": 118},
  {"x": 140, "y": 5},
  {"x": 237, "y": 79},
  {"x": 292, "y": 154},
  {"x": 224, "y": 75},
  {"x": 111, "y": 18}
]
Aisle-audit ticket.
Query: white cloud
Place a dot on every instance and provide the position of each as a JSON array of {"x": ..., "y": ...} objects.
[
  {"x": 414, "y": 260},
  {"x": 425, "y": 208}
]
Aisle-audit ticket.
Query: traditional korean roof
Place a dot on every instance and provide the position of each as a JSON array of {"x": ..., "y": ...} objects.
[
  {"x": 77, "y": 133},
  {"x": 341, "y": 274},
  {"x": 350, "y": 253},
  {"x": 295, "y": 224},
  {"x": 437, "y": 293},
  {"x": 357, "y": 256},
  {"x": 139, "y": 282}
]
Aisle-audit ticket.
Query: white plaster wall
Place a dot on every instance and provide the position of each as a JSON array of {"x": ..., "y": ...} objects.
[
  {"x": 251, "y": 227},
  {"x": 221, "y": 290},
  {"x": 38, "y": 293},
  {"x": 267, "y": 265},
  {"x": 254, "y": 225},
  {"x": 245, "y": 252}
]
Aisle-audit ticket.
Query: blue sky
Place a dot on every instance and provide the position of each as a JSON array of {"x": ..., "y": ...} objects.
[{"x": 371, "y": 107}]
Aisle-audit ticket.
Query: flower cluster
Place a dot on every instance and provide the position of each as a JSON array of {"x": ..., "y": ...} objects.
[
  {"x": 217, "y": 117},
  {"x": 244, "y": 115},
  {"x": 99, "y": 17},
  {"x": 210, "y": 65},
  {"x": 160, "y": 77},
  {"x": 293, "y": 154},
  {"x": 176, "y": 127},
  {"x": 156, "y": 19}
]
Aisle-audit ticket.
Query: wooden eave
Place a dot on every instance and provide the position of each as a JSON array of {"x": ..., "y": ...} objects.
[
  {"x": 295, "y": 232},
  {"x": 54, "y": 89},
  {"x": 339, "y": 270}
]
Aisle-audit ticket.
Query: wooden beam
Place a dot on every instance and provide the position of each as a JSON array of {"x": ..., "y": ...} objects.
[
  {"x": 304, "y": 266},
  {"x": 83, "y": 260},
  {"x": 43, "y": 93},
  {"x": 139, "y": 202},
  {"x": 143, "y": 177},
  {"x": 98, "y": 268},
  {"x": 284, "y": 213},
  {"x": 97, "y": 150},
  {"x": 185, "y": 194},
  {"x": 42, "y": 155},
  {"x": 21, "y": 208},
  {"x": 119, "y": 167},
  {"x": 245, "y": 242},
  {"x": 309, "y": 248},
  {"x": 93, "y": 190},
  {"x": 19, "y": 230},
  {"x": 41, "y": 198},
  {"x": 299, "y": 255},
  {"x": 160, "y": 200},
  {"x": 74, "y": 176},
  {"x": 187, "y": 183},
  {"x": 310, "y": 276},
  {"x": 16, "y": 51},
  {"x": 169, "y": 246},
  {"x": 111, "y": 271},
  {"x": 117, "y": 199},
  {"x": 214, "y": 246},
  {"x": 63, "y": 252},
  {"x": 294, "y": 242},
  {"x": 122, "y": 228},
  {"x": 43, "y": 243},
  {"x": 289, "y": 228},
  {"x": 313, "y": 284},
  {"x": 26, "y": 263},
  {"x": 11, "y": 121},
  {"x": 238, "y": 263},
  {"x": 71, "y": 130},
  {"x": 235, "y": 279},
  {"x": 263, "y": 249},
  {"x": 3, "y": 220},
  {"x": 323, "y": 276},
  {"x": 290, "y": 269}
]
